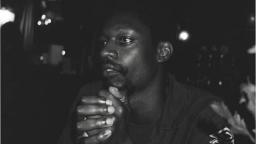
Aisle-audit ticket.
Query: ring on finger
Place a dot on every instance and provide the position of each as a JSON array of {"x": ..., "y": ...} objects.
[
  {"x": 85, "y": 134},
  {"x": 103, "y": 122},
  {"x": 123, "y": 99}
]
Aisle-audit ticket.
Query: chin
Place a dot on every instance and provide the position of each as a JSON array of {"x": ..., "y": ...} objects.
[
  {"x": 118, "y": 82},
  {"x": 118, "y": 85}
]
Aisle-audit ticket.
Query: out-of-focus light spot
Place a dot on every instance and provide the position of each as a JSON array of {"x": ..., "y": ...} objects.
[
  {"x": 39, "y": 23},
  {"x": 41, "y": 58},
  {"x": 43, "y": 16},
  {"x": 220, "y": 83},
  {"x": 252, "y": 18},
  {"x": 208, "y": 82},
  {"x": 48, "y": 21},
  {"x": 43, "y": 4},
  {"x": 183, "y": 35},
  {"x": 252, "y": 50},
  {"x": 6, "y": 16},
  {"x": 63, "y": 52}
]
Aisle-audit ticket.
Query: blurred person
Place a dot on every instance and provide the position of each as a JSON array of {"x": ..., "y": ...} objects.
[
  {"x": 241, "y": 115},
  {"x": 248, "y": 90},
  {"x": 247, "y": 87},
  {"x": 247, "y": 101},
  {"x": 247, "y": 96},
  {"x": 137, "y": 101}
]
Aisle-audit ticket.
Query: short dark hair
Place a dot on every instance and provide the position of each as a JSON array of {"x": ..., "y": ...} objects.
[{"x": 159, "y": 17}]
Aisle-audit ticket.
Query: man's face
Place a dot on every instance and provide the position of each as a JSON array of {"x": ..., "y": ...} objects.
[{"x": 127, "y": 53}]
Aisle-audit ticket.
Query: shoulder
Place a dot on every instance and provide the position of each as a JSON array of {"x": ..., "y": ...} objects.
[
  {"x": 187, "y": 89},
  {"x": 195, "y": 97}
]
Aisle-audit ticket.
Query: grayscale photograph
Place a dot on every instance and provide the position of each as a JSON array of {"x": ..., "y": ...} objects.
[{"x": 128, "y": 71}]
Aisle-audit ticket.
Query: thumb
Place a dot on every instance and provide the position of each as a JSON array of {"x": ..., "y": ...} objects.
[
  {"x": 120, "y": 96},
  {"x": 115, "y": 92}
]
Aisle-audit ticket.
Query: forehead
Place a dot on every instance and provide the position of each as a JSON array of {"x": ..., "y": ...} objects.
[{"x": 126, "y": 24}]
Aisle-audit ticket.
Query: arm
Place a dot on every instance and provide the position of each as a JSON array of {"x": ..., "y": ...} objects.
[{"x": 211, "y": 129}]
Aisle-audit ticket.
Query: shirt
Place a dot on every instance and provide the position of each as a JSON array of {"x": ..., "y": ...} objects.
[{"x": 187, "y": 118}]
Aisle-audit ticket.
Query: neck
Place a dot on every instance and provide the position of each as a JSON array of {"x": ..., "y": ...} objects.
[{"x": 146, "y": 104}]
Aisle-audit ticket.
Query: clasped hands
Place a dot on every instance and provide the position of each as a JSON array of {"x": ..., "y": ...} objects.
[{"x": 98, "y": 115}]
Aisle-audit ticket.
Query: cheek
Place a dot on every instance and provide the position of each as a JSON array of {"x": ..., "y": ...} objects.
[
  {"x": 130, "y": 57},
  {"x": 138, "y": 64}
]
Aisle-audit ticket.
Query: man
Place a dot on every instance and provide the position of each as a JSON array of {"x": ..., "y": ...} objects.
[{"x": 137, "y": 102}]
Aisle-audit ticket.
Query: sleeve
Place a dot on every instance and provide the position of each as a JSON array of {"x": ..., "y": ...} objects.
[{"x": 211, "y": 128}]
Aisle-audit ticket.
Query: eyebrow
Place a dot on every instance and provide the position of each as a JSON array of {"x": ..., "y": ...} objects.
[
  {"x": 126, "y": 29},
  {"x": 126, "y": 32}
]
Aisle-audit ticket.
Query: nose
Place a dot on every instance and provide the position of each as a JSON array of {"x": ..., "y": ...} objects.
[{"x": 109, "y": 53}]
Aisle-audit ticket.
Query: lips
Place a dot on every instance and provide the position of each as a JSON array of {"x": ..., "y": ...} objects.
[
  {"x": 114, "y": 74},
  {"x": 110, "y": 70}
]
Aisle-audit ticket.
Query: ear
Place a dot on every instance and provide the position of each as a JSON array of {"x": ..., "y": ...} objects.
[{"x": 164, "y": 51}]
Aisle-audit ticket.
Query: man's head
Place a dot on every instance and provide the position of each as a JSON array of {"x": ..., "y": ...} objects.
[{"x": 130, "y": 49}]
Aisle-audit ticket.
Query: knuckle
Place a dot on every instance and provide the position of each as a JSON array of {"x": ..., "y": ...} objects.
[
  {"x": 99, "y": 123},
  {"x": 104, "y": 135}
]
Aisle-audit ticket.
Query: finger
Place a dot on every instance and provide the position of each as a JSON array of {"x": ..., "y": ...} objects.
[
  {"x": 115, "y": 101},
  {"x": 95, "y": 109},
  {"x": 89, "y": 133},
  {"x": 101, "y": 137},
  {"x": 94, "y": 131},
  {"x": 91, "y": 124},
  {"x": 106, "y": 94},
  {"x": 81, "y": 117},
  {"x": 95, "y": 100},
  {"x": 115, "y": 92},
  {"x": 86, "y": 134}
]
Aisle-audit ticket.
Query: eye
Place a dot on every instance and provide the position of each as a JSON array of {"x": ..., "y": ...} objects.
[{"x": 125, "y": 40}]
